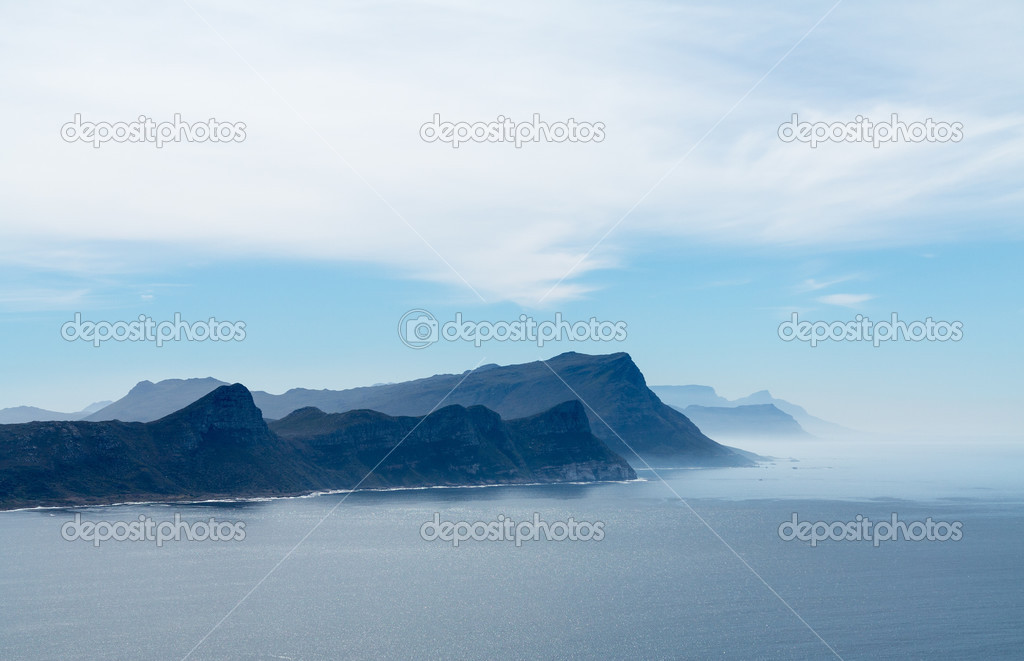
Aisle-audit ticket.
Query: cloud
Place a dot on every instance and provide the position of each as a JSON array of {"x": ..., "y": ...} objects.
[
  {"x": 34, "y": 299},
  {"x": 845, "y": 300},
  {"x": 333, "y": 168},
  {"x": 810, "y": 284}
]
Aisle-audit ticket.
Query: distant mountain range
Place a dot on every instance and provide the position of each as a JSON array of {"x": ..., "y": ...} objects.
[
  {"x": 744, "y": 421},
  {"x": 622, "y": 410},
  {"x": 149, "y": 401},
  {"x": 734, "y": 417},
  {"x": 18, "y": 414},
  {"x": 221, "y": 447}
]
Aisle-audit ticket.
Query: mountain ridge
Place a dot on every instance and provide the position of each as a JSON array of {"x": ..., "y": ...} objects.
[
  {"x": 681, "y": 397},
  {"x": 622, "y": 410},
  {"x": 745, "y": 421},
  {"x": 222, "y": 447},
  {"x": 17, "y": 414}
]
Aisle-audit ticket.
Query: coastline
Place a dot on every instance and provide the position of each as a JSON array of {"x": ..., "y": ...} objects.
[{"x": 306, "y": 494}]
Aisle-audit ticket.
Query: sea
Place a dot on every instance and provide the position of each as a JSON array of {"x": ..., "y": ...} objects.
[{"x": 772, "y": 562}]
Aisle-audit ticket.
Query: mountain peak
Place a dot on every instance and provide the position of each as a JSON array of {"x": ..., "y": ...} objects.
[
  {"x": 227, "y": 411},
  {"x": 759, "y": 397},
  {"x": 224, "y": 398}
]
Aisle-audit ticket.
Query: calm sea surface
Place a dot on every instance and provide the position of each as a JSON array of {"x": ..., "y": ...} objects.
[{"x": 707, "y": 577}]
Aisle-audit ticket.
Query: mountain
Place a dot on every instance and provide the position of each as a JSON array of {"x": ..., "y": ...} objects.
[
  {"x": 812, "y": 424},
  {"x": 19, "y": 414},
  {"x": 220, "y": 446},
  {"x": 95, "y": 406},
  {"x": 744, "y": 421},
  {"x": 682, "y": 397},
  {"x": 149, "y": 401},
  {"x": 217, "y": 446},
  {"x": 456, "y": 445},
  {"x": 765, "y": 397},
  {"x": 622, "y": 410},
  {"x": 617, "y": 400}
]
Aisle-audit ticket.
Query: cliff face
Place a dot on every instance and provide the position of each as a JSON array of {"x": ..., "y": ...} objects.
[
  {"x": 220, "y": 446},
  {"x": 456, "y": 445},
  {"x": 53, "y": 462},
  {"x": 558, "y": 444},
  {"x": 621, "y": 409}
]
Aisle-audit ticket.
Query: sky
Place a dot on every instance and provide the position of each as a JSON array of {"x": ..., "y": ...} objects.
[{"x": 691, "y": 221}]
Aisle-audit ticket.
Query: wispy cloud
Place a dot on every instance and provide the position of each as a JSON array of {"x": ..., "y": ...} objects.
[
  {"x": 42, "y": 299},
  {"x": 845, "y": 300},
  {"x": 811, "y": 284},
  {"x": 510, "y": 221}
]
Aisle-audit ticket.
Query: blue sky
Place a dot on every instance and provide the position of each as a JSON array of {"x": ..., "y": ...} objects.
[{"x": 691, "y": 221}]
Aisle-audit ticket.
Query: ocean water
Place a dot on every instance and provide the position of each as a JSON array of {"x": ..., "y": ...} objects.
[{"x": 690, "y": 565}]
